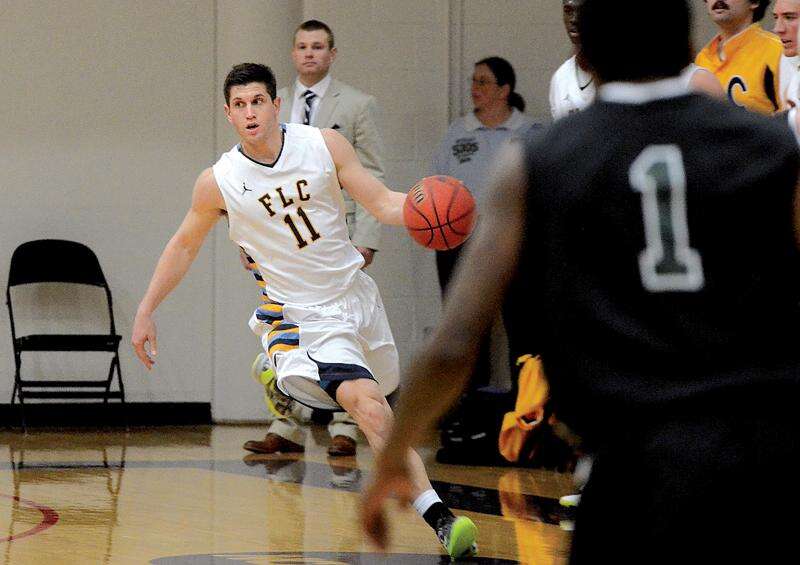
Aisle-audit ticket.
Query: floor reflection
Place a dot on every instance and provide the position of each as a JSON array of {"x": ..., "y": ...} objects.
[
  {"x": 318, "y": 557},
  {"x": 189, "y": 497},
  {"x": 529, "y": 514},
  {"x": 293, "y": 469},
  {"x": 510, "y": 498},
  {"x": 102, "y": 477}
]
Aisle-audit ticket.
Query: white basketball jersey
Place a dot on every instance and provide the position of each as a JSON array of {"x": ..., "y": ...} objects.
[
  {"x": 290, "y": 218},
  {"x": 688, "y": 74},
  {"x": 571, "y": 89},
  {"x": 790, "y": 81}
]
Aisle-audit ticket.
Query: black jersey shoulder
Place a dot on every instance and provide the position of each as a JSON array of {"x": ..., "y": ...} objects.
[
  {"x": 603, "y": 121},
  {"x": 723, "y": 136}
]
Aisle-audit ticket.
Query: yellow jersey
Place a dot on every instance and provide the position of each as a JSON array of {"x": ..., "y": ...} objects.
[{"x": 749, "y": 68}]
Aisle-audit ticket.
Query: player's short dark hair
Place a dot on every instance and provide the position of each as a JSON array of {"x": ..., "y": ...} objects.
[
  {"x": 504, "y": 73},
  {"x": 245, "y": 73},
  {"x": 761, "y": 9},
  {"x": 316, "y": 25},
  {"x": 612, "y": 38}
]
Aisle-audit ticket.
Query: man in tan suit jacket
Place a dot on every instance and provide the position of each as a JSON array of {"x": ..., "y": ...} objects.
[
  {"x": 338, "y": 106},
  {"x": 317, "y": 99}
]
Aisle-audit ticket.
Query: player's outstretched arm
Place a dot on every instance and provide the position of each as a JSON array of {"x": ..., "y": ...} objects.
[
  {"x": 439, "y": 372},
  {"x": 180, "y": 251},
  {"x": 385, "y": 204}
]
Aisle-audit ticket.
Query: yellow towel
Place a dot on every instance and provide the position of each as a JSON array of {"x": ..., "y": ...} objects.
[{"x": 528, "y": 410}]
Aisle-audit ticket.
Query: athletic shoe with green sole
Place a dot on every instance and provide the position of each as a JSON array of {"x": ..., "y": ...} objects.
[
  {"x": 277, "y": 403},
  {"x": 458, "y": 537},
  {"x": 570, "y": 500}
]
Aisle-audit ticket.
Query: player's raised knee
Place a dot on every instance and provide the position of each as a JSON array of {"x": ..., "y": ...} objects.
[{"x": 364, "y": 402}]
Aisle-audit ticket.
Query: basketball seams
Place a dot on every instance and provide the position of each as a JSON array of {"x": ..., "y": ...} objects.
[
  {"x": 453, "y": 193},
  {"x": 464, "y": 215},
  {"x": 449, "y": 223},
  {"x": 430, "y": 227},
  {"x": 458, "y": 188},
  {"x": 439, "y": 225},
  {"x": 454, "y": 230}
]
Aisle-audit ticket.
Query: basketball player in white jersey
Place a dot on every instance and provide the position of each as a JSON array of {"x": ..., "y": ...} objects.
[
  {"x": 572, "y": 86},
  {"x": 325, "y": 328}
]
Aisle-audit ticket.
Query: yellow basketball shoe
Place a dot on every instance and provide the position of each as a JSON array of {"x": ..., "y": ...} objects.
[
  {"x": 277, "y": 403},
  {"x": 570, "y": 500},
  {"x": 458, "y": 537}
]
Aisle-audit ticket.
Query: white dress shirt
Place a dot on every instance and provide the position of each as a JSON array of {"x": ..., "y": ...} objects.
[
  {"x": 299, "y": 101},
  {"x": 790, "y": 81}
]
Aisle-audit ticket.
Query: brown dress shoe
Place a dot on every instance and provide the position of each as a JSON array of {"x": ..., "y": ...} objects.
[
  {"x": 342, "y": 446},
  {"x": 273, "y": 443}
]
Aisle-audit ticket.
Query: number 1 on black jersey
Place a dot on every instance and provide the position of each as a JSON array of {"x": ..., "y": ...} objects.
[{"x": 668, "y": 263}]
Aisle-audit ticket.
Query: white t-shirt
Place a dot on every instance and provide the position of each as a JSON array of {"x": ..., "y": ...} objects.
[
  {"x": 790, "y": 80},
  {"x": 290, "y": 218},
  {"x": 299, "y": 101},
  {"x": 571, "y": 89},
  {"x": 791, "y": 116}
]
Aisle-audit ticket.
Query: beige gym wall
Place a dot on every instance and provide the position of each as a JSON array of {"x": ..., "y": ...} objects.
[{"x": 111, "y": 109}]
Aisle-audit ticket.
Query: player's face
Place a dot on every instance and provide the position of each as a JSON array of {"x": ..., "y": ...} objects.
[
  {"x": 485, "y": 90},
  {"x": 311, "y": 55},
  {"x": 570, "y": 10},
  {"x": 787, "y": 18},
  {"x": 730, "y": 12},
  {"x": 252, "y": 112}
]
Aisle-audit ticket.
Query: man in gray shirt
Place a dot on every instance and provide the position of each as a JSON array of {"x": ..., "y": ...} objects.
[{"x": 467, "y": 153}]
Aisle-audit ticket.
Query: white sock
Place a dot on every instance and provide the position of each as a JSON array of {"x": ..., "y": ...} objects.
[{"x": 425, "y": 501}]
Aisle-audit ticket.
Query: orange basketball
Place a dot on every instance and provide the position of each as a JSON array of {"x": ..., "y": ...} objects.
[{"x": 439, "y": 212}]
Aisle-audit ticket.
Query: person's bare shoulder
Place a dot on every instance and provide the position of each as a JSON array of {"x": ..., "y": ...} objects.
[
  {"x": 340, "y": 149},
  {"x": 207, "y": 195},
  {"x": 331, "y": 136}
]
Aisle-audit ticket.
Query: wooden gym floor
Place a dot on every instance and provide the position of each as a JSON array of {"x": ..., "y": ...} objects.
[{"x": 190, "y": 495}]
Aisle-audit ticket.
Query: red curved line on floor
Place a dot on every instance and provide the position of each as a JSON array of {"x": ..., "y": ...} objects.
[{"x": 49, "y": 518}]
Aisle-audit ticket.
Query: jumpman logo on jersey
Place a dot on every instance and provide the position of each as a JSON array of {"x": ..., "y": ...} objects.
[{"x": 245, "y": 189}]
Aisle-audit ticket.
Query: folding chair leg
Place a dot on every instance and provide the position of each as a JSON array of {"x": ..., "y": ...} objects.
[
  {"x": 124, "y": 407},
  {"x": 13, "y": 401},
  {"x": 107, "y": 391},
  {"x": 115, "y": 364},
  {"x": 17, "y": 385},
  {"x": 17, "y": 392},
  {"x": 22, "y": 411}
]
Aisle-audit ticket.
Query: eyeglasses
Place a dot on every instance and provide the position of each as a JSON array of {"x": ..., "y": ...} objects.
[{"x": 482, "y": 82}]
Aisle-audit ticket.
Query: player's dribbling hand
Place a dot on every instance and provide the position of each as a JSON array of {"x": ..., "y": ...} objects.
[
  {"x": 368, "y": 254},
  {"x": 243, "y": 260},
  {"x": 391, "y": 479},
  {"x": 144, "y": 333}
]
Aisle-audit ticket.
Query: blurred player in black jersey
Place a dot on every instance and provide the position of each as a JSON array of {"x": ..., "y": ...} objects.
[{"x": 658, "y": 233}]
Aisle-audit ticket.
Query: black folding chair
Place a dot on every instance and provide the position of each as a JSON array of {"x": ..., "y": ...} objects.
[{"x": 60, "y": 261}]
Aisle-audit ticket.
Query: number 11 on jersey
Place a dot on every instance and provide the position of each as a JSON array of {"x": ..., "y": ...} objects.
[{"x": 668, "y": 263}]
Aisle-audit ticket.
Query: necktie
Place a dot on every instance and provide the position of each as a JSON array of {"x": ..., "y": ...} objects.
[{"x": 309, "y": 97}]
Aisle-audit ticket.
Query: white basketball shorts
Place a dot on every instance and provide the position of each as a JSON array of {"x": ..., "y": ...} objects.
[{"x": 313, "y": 347}]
